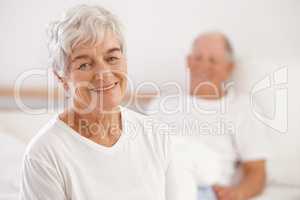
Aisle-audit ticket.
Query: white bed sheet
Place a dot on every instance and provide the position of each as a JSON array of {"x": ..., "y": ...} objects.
[{"x": 11, "y": 158}]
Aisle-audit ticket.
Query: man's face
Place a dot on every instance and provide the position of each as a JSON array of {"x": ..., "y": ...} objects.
[
  {"x": 209, "y": 61},
  {"x": 97, "y": 74}
]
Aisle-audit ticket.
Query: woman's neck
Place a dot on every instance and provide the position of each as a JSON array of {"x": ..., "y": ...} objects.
[{"x": 101, "y": 127}]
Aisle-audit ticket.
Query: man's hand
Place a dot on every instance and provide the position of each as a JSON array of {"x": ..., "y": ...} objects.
[
  {"x": 251, "y": 184},
  {"x": 228, "y": 193}
]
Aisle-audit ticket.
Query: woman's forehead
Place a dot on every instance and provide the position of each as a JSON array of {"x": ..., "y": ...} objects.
[{"x": 108, "y": 44}]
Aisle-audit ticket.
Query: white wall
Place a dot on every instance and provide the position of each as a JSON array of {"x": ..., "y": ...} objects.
[{"x": 159, "y": 34}]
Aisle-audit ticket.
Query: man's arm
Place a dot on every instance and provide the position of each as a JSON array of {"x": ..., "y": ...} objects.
[
  {"x": 251, "y": 185},
  {"x": 254, "y": 178}
]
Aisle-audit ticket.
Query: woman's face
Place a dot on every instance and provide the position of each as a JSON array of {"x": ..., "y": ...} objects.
[{"x": 96, "y": 76}]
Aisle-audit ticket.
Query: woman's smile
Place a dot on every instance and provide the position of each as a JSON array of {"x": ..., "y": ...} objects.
[{"x": 105, "y": 87}]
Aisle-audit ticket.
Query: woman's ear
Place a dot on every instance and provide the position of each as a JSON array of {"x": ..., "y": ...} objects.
[
  {"x": 231, "y": 67},
  {"x": 61, "y": 80},
  {"x": 188, "y": 61}
]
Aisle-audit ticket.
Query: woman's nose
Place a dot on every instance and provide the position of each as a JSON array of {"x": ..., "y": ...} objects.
[
  {"x": 101, "y": 65},
  {"x": 103, "y": 75},
  {"x": 102, "y": 70}
]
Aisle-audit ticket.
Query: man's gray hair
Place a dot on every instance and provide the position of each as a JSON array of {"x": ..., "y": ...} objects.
[{"x": 80, "y": 25}]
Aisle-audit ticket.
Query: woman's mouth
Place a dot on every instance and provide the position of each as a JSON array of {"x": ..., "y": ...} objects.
[{"x": 105, "y": 88}]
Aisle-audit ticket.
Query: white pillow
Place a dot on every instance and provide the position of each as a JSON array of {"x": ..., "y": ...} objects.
[{"x": 284, "y": 171}]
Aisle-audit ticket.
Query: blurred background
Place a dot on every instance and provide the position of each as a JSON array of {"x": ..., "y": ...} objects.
[{"x": 265, "y": 38}]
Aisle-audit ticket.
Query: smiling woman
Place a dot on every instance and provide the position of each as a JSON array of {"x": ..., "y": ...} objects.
[
  {"x": 95, "y": 149},
  {"x": 98, "y": 72}
]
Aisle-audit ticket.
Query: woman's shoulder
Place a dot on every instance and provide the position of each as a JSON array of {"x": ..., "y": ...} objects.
[
  {"x": 134, "y": 115},
  {"x": 45, "y": 141},
  {"x": 147, "y": 123}
]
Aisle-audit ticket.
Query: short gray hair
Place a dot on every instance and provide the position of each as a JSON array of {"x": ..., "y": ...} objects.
[{"x": 80, "y": 25}]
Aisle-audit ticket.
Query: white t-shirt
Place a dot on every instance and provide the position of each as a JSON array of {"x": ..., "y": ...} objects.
[
  {"x": 226, "y": 126},
  {"x": 60, "y": 164}
]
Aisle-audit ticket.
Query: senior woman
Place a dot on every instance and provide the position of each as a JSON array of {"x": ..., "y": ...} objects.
[{"x": 94, "y": 149}]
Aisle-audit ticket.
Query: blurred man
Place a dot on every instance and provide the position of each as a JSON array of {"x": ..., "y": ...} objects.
[{"x": 215, "y": 116}]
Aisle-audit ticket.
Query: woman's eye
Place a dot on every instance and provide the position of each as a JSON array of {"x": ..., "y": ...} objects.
[
  {"x": 212, "y": 61},
  {"x": 84, "y": 66},
  {"x": 112, "y": 59}
]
